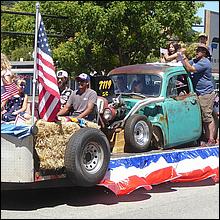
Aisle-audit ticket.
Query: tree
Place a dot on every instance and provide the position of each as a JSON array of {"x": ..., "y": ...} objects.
[
  {"x": 101, "y": 35},
  {"x": 8, "y": 3}
]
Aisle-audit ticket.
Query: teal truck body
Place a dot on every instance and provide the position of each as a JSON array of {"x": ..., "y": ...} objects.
[{"x": 167, "y": 102}]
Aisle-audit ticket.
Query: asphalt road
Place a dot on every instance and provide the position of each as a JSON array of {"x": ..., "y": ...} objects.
[{"x": 165, "y": 201}]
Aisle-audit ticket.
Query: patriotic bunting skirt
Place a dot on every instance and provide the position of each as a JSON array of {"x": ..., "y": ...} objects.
[{"x": 127, "y": 174}]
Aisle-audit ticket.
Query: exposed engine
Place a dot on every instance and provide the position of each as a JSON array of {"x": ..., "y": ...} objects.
[{"x": 112, "y": 111}]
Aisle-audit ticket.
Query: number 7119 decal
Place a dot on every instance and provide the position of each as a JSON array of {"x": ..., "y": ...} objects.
[{"x": 106, "y": 84}]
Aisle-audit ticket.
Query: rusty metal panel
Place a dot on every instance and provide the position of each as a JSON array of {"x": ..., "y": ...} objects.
[{"x": 148, "y": 68}]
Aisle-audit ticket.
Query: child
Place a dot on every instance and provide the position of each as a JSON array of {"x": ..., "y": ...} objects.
[{"x": 17, "y": 104}]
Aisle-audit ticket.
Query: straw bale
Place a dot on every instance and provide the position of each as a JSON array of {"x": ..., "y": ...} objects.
[{"x": 51, "y": 140}]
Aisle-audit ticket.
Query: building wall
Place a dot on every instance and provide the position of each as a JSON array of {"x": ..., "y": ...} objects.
[{"x": 212, "y": 29}]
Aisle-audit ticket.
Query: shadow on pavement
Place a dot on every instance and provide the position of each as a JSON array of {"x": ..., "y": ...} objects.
[{"x": 81, "y": 196}]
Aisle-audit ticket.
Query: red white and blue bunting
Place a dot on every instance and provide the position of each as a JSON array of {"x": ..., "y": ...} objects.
[{"x": 127, "y": 174}]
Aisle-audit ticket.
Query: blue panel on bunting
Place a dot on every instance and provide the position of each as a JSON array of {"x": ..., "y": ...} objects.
[{"x": 171, "y": 157}]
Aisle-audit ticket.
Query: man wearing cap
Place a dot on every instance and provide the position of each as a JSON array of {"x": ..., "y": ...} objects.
[
  {"x": 65, "y": 91},
  {"x": 203, "y": 37},
  {"x": 201, "y": 75},
  {"x": 81, "y": 100}
]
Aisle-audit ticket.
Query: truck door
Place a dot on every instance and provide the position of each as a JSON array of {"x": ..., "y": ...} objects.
[{"x": 183, "y": 111}]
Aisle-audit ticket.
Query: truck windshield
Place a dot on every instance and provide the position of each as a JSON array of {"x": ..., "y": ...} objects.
[{"x": 145, "y": 84}]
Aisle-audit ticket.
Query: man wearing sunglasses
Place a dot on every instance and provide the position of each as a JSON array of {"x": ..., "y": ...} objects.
[
  {"x": 201, "y": 75},
  {"x": 81, "y": 100}
]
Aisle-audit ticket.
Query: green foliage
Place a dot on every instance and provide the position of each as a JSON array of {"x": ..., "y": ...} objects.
[
  {"x": 101, "y": 35},
  {"x": 191, "y": 50},
  {"x": 23, "y": 52}
]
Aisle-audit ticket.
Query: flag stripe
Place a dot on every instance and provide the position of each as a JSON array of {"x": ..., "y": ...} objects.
[
  {"x": 45, "y": 71},
  {"x": 49, "y": 95},
  {"x": 45, "y": 59},
  {"x": 46, "y": 107},
  {"x": 45, "y": 74},
  {"x": 50, "y": 87}
]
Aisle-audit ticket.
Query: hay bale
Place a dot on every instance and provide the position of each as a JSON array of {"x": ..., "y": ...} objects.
[{"x": 51, "y": 140}]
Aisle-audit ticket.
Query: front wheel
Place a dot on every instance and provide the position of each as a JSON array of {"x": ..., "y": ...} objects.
[
  {"x": 137, "y": 133},
  {"x": 87, "y": 156}
]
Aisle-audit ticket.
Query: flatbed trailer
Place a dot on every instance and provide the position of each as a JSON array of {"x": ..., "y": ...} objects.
[{"x": 125, "y": 173}]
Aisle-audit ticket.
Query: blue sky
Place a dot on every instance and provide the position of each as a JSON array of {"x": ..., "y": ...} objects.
[{"x": 209, "y": 5}]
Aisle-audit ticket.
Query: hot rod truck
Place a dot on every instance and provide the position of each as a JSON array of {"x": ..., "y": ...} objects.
[{"x": 164, "y": 114}]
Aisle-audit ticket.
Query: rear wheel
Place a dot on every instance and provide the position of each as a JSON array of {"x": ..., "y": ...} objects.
[
  {"x": 87, "y": 156},
  {"x": 157, "y": 138}
]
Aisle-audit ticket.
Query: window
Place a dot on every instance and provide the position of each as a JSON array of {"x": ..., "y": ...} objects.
[
  {"x": 178, "y": 86},
  {"x": 125, "y": 83}
]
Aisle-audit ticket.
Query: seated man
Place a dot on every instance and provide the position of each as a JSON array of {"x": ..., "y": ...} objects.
[
  {"x": 65, "y": 91},
  {"x": 82, "y": 100}
]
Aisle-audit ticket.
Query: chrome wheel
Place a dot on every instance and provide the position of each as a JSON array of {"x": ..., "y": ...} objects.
[
  {"x": 92, "y": 157},
  {"x": 141, "y": 133}
]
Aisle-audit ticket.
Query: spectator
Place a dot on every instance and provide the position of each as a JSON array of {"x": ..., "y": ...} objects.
[
  {"x": 17, "y": 104},
  {"x": 203, "y": 37},
  {"x": 171, "y": 55},
  {"x": 65, "y": 91},
  {"x": 6, "y": 74},
  {"x": 201, "y": 75},
  {"x": 82, "y": 100}
]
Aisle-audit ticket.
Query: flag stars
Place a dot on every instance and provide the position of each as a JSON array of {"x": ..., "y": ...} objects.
[{"x": 42, "y": 39}]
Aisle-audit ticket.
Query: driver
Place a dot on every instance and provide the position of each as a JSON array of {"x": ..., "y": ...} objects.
[{"x": 137, "y": 86}]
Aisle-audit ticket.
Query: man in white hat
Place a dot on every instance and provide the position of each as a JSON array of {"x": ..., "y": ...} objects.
[
  {"x": 65, "y": 91},
  {"x": 201, "y": 75},
  {"x": 81, "y": 100},
  {"x": 203, "y": 38}
]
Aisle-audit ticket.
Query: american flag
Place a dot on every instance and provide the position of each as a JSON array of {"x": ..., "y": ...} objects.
[
  {"x": 49, "y": 95},
  {"x": 8, "y": 91}
]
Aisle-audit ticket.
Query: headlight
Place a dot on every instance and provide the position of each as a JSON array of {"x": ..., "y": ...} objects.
[{"x": 107, "y": 115}]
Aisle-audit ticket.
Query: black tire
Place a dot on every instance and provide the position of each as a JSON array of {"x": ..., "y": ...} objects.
[
  {"x": 137, "y": 134},
  {"x": 157, "y": 138},
  {"x": 87, "y": 157}
]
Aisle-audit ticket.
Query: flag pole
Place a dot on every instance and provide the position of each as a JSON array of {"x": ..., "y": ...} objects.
[{"x": 35, "y": 61}]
